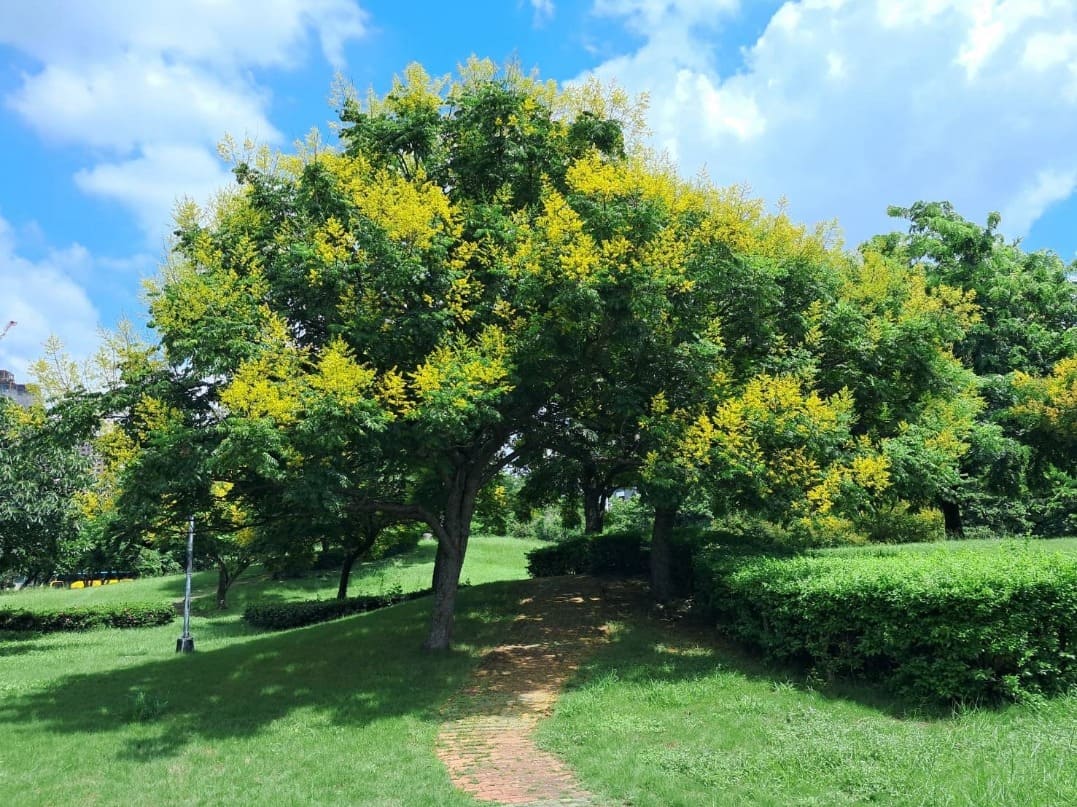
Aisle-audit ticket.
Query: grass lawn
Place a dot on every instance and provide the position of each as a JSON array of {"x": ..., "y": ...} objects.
[
  {"x": 660, "y": 720},
  {"x": 340, "y": 713},
  {"x": 346, "y": 712},
  {"x": 677, "y": 717},
  {"x": 489, "y": 558}
]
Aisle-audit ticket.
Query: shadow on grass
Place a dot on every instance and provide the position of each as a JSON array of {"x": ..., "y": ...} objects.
[
  {"x": 646, "y": 649},
  {"x": 19, "y": 643},
  {"x": 350, "y": 672}
]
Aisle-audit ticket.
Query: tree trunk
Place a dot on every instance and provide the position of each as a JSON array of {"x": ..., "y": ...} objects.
[
  {"x": 224, "y": 580},
  {"x": 447, "y": 567},
  {"x": 951, "y": 514},
  {"x": 346, "y": 573},
  {"x": 661, "y": 554},
  {"x": 594, "y": 509},
  {"x": 452, "y": 533}
]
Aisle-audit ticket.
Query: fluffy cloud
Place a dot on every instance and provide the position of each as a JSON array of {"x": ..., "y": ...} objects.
[
  {"x": 151, "y": 184},
  {"x": 136, "y": 100},
  {"x": 151, "y": 87},
  {"x": 45, "y": 298},
  {"x": 205, "y": 31},
  {"x": 846, "y": 107}
]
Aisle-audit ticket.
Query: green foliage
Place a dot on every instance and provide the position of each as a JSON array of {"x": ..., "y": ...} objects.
[
  {"x": 1028, "y": 305},
  {"x": 43, "y": 476},
  {"x": 629, "y": 515},
  {"x": 152, "y": 562},
  {"x": 104, "y": 615},
  {"x": 544, "y": 524},
  {"x": 622, "y": 553},
  {"x": 902, "y": 525},
  {"x": 284, "y": 615},
  {"x": 949, "y": 625}
]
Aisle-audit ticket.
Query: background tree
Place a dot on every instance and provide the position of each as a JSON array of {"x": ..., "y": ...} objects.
[
  {"x": 44, "y": 478},
  {"x": 1026, "y": 323}
]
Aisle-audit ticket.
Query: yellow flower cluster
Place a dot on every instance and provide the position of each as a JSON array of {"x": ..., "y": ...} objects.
[
  {"x": 1053, "y": 399},
  {"x": 340, "y": 377}
]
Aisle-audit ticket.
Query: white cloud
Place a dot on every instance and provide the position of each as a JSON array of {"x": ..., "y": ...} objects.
[
  {"x": 544, "y": 11},
  {"x": 153, "y": 86},
  {"x": 44, "y": 298},
  {"x": 150, "y": 184},
  {"x": 139, "y": 99},
  {"x": 1036, "y": 196},
  {"x": 222, "y": 34},
  {"x": 846, "y": 108}
]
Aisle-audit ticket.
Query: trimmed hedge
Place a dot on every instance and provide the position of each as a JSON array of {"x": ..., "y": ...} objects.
[
  {"x": 283, "y": 615},
  {"x": 614, "y": 553},
  {"x": 957, "y": 625},
  {"x": 115, "y": 615}
]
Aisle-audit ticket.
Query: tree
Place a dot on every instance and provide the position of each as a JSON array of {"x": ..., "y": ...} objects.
[
  {"x": 44, "y": 479},
  {"x": 1044, "y": 414},
  {"x": 1026, "y": 324},
  {"x": 1028, "y": 304},
  {"x": 432, "y": 283}
]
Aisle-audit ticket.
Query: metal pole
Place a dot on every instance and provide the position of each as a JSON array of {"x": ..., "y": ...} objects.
[{"x": 185, "y": 644}]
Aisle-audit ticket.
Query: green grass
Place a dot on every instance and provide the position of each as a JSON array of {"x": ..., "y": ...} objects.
[
  {"x": 658, "y": 720},
  {"x": 489, "y": 558},
  {"x": 341, "y": 713},
  {"x": 347, "y": 712}
]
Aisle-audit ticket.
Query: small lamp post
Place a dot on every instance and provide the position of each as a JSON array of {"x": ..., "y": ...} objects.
[{"x": 185, "y": 643}]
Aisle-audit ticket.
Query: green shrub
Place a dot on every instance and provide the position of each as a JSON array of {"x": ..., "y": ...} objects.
[
  {"x": 114, "y": 615},
  {"x": 955, "y": 625},
  {"x": 283, "y": 615},
  {"x": 154, "y": 563},
  {"x": 903, "y": 526},
  {"x": 624, "y": 553}
]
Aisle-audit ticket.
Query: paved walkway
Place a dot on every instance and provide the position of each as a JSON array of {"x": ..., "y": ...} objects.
[{"x": 486, "y": 738}]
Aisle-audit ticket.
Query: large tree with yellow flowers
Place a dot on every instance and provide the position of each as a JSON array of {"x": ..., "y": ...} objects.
[{"x": 389, "y": 318}]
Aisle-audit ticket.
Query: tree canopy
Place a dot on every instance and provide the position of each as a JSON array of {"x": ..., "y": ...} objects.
[{"x": 491, "y": 272}]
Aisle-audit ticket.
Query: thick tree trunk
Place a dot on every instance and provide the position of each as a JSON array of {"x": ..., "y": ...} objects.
[
  {"x": 346, "y": 573},
  {"x": 661, "y": 554},
  {"x": 447, "y": 567},
  {"x": 951, "y": 514},
  {"x": 594, "y": 509},
  {"x": 452, "y": 533}
]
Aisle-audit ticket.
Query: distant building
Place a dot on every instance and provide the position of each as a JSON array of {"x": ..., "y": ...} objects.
[
  {"x": 17, "y": 392},
  {"x": 621, "y": 495}
]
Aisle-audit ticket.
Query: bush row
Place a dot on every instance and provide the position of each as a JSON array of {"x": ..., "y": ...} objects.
[
  {"x": 623, "y": 553},
  {"x": 955, "y": 625},
  {"x": 282, "y": 615},
  {"x": 114, "y": 615}
]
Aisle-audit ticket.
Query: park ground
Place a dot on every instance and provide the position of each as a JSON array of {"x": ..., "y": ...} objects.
[{"x": 652, "y": 710}]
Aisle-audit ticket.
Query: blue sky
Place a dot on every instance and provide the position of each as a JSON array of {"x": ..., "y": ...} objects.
[{"x": 110, "y": 111}]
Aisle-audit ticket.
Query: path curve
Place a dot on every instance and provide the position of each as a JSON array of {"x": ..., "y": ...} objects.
[{"x": 486, "y": 738}]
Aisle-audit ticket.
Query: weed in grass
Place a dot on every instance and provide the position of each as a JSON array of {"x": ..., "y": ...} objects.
[{"x": 146, "y": 707}]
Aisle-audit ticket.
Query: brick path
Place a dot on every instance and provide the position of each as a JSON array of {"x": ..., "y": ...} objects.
[{"x": 485, "y": 740}]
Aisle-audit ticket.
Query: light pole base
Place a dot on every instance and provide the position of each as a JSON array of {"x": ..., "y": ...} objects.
[{"x": 185, "y": 644}]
